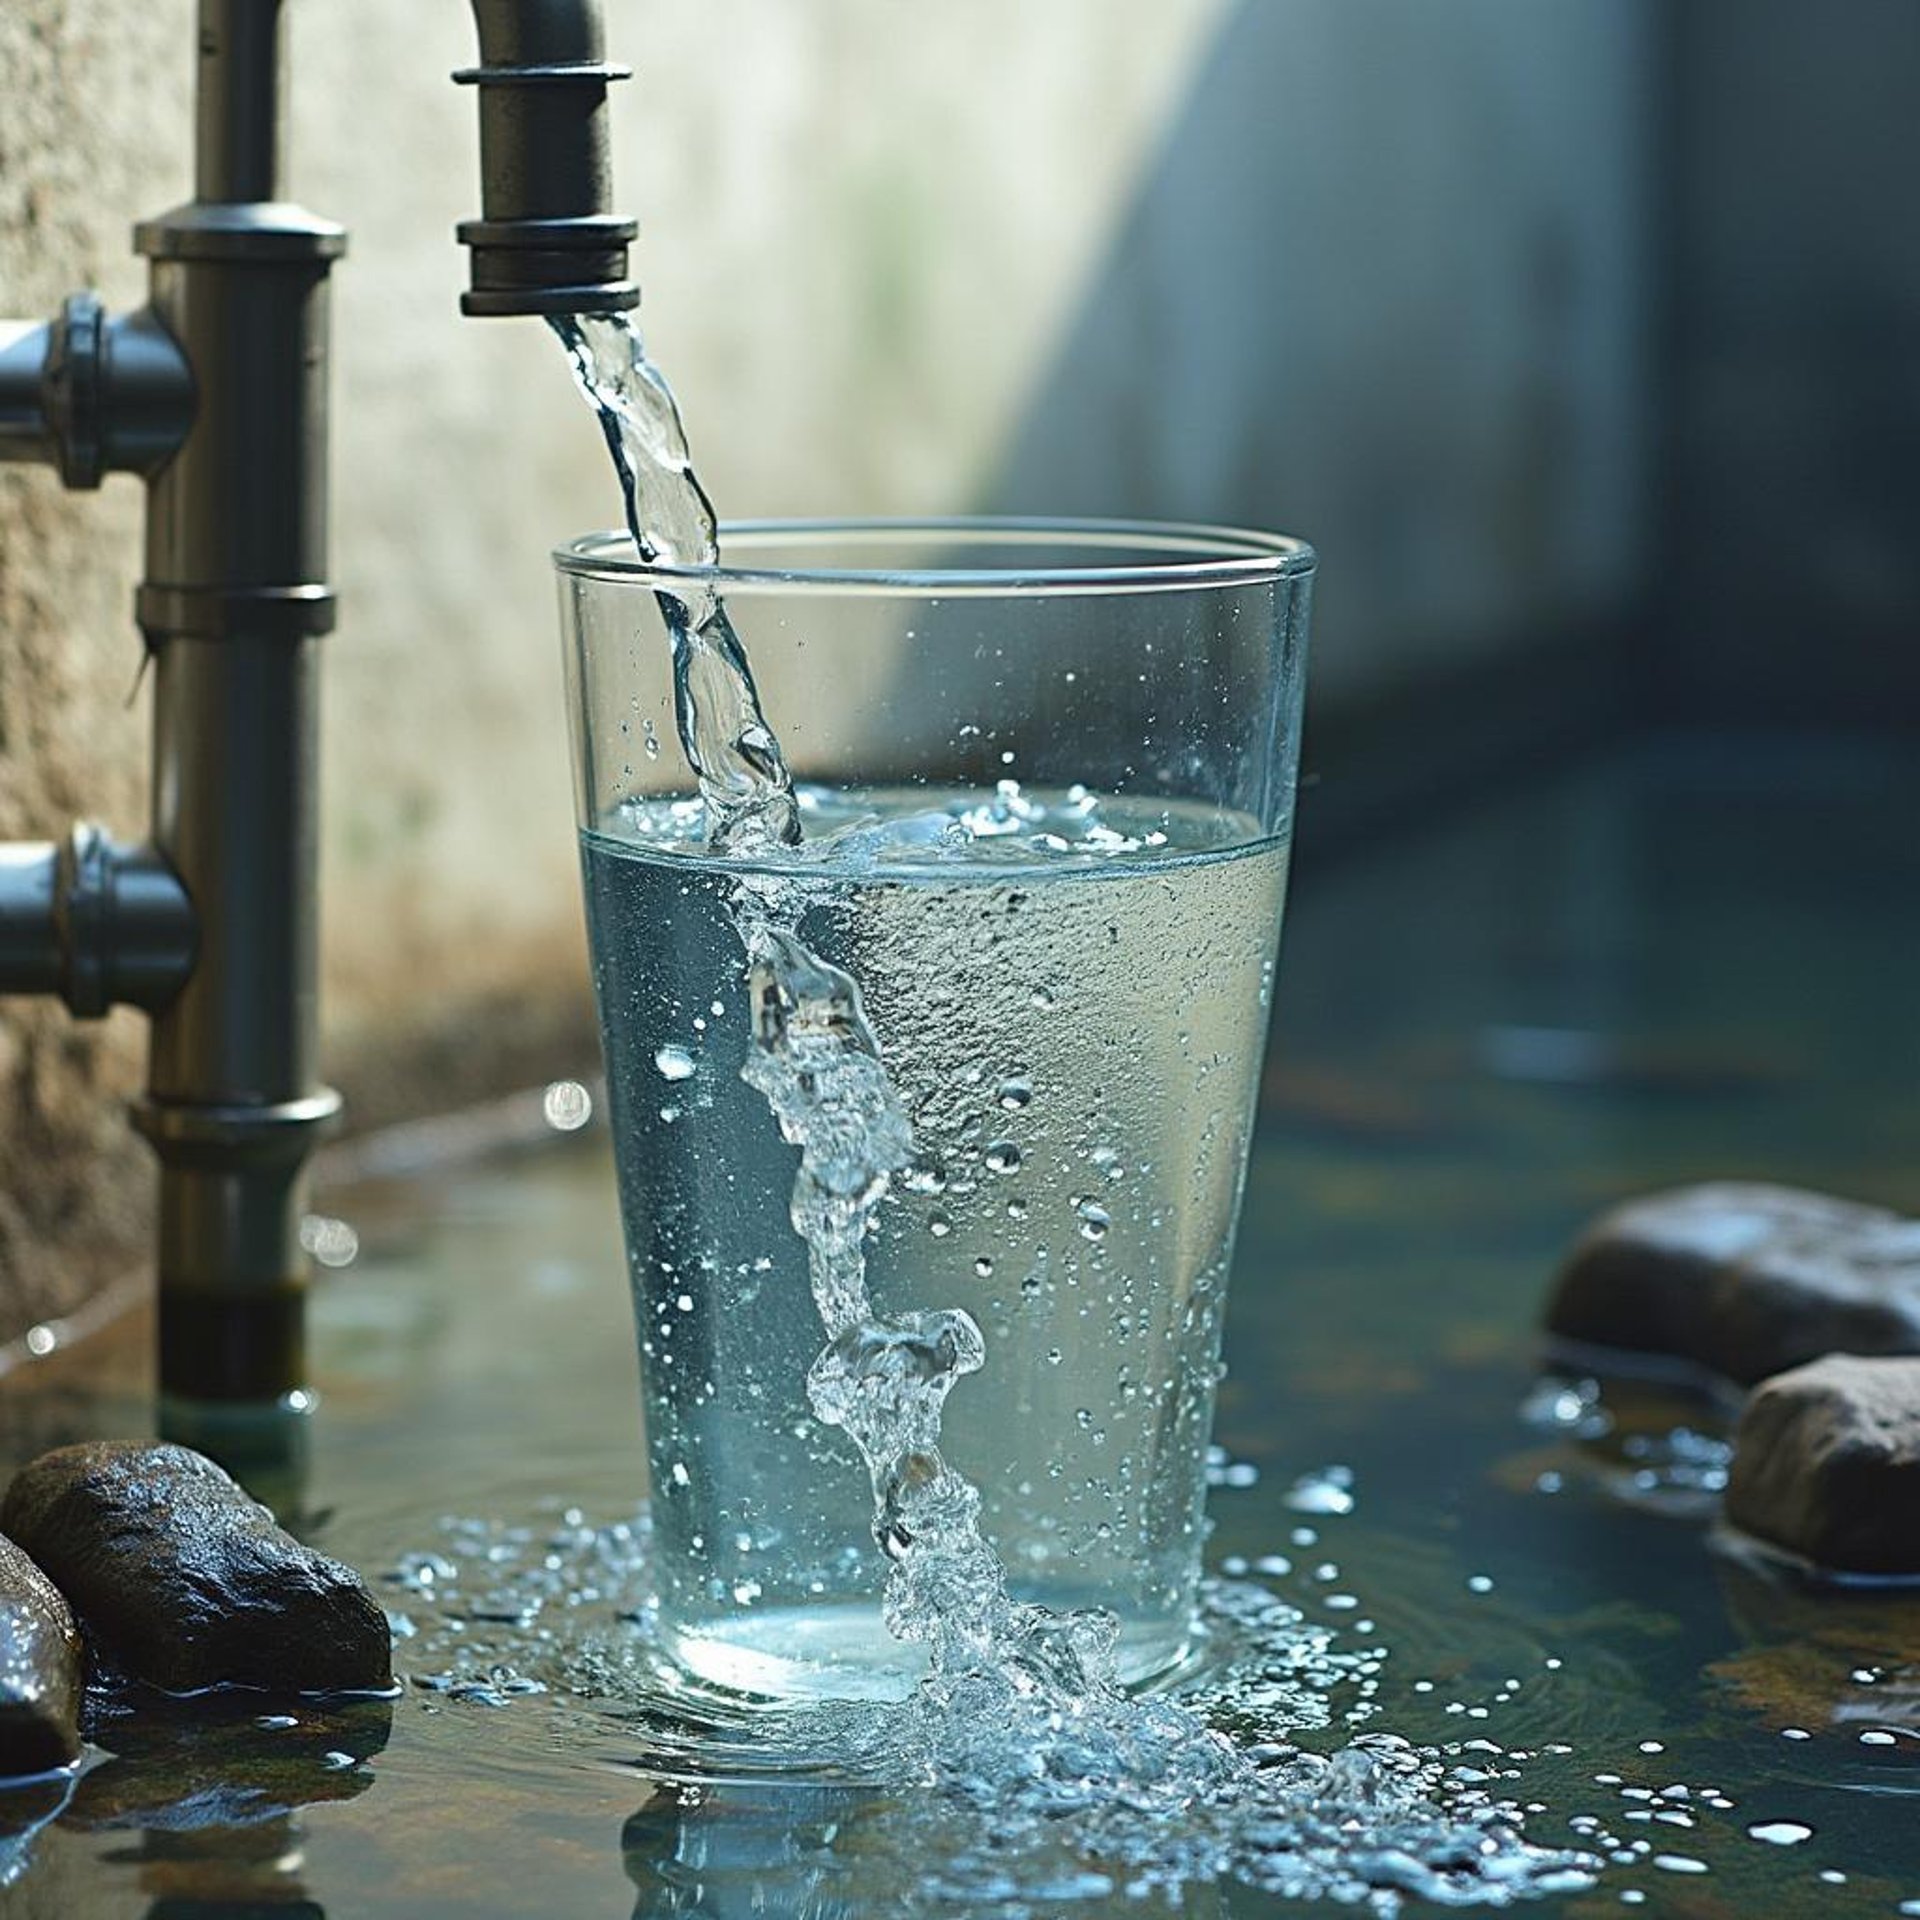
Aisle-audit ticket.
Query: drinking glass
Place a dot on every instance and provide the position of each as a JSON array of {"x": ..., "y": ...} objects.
[{"x": 1046, "y": 771}]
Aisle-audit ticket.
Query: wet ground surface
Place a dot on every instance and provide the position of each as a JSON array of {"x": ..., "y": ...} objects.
[{"x": 1679, "y": 963}]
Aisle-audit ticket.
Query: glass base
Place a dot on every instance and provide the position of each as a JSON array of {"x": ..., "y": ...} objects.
[{"x": 803, "y": 1656}]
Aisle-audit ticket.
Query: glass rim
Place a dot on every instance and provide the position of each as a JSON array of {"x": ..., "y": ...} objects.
[{"x": 1200, "y": 557}]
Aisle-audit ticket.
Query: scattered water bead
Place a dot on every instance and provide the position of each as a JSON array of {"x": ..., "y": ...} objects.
[
  {"x": 334, "y": 1243},
  {"x": 567, "y": 1106},
  {"x": 1780, "y": 1833},
  {"x": 674, "y": 1063},
  {"x": 1003, "y": 1156},
  {"x": 1570, "y": 1405},
  {"x": 1016, "y": 1091},
  {"x": 1094, "y": 1219},
  {"x": 1329, "y": 1492}
]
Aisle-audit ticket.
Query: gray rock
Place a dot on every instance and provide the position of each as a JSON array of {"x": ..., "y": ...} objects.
[
  {"x": 1826, "y": 1463},
  {"x": 1743, "y": 1280},
  {"x": 188, "y": 1583},
  {"x": 40, "y": 1680}
]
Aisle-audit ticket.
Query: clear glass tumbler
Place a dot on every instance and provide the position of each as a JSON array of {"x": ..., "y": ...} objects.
[{"x": 1047, "y": 775}]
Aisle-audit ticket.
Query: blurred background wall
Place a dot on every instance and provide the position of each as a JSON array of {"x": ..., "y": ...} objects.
[{"x": 1544, "y": 322}]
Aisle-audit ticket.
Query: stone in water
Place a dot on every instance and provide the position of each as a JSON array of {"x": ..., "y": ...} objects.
[
  {"x": 1743, "y": 1280},
  {"x": 187, "y": 1582}
]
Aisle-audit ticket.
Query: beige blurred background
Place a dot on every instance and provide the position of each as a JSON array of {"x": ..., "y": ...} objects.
[{"x": 1415, "y": 280}]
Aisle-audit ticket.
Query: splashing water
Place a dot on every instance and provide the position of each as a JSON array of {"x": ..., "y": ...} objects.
[{"x": 1020, "y": 1714}]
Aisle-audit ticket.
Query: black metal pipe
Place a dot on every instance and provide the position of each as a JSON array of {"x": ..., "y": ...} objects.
[
  {"x": 547, "y": 241},
  {"x": 233, "y": 605},
  {"x": 239, "y": 132},
  {"x": 217, "y": 394}
]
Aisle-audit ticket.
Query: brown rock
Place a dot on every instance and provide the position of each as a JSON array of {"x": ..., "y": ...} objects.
[
  {"x": 1826, "y": 1463},
  {"x": 188, "y": 1583},
  {"x": 1743, "y": 1280},
  {"x": 40, "y": 1680}
]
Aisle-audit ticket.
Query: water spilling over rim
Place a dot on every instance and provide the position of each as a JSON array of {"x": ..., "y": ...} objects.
[{"x": 881, "y": 556}]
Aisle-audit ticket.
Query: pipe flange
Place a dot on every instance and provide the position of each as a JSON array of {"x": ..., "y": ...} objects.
[
  {"x": 122, "y": 925},
  {"x": 72, "y": 381},
  {"x": 558, "y": 73}
]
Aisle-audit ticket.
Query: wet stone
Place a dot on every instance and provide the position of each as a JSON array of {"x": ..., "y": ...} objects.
[
  {"x": 1826, "y": 1463},
  {"x": 1742, "y": 1280},
  {"x": 185, "y": 1581},
  {"x": 40, "y": 1678}
]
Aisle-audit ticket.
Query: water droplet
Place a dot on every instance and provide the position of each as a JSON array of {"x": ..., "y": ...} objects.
[
  {"x": 939, "y": 1226},
  {"x": 1015, "y": 1092},
  {"x": 1780, "y": 1833},
  {"x": 1329, "y": 1491},
  {"x": 1016, "y": 1209},
  {"x": 332, "y": 1242},
  {"x": 1043, "y": 999},
  {"x": 1094, "y": 1219},
  {"x": 674, "y": 1063},
  {"x": 1003, "y": 1157},
  {"x": 1053, "y": 1356},
  {"x": 567, "y": 1106},
  {"x": 983, "y": 1267}
]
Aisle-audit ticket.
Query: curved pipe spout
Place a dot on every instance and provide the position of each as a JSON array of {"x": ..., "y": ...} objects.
[{"x": 547, "y": 241}]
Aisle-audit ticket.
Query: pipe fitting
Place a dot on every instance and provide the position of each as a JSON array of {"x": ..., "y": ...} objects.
[
  {"x": 547, "y": 241},
  {"x": 99, "y": 924},
  {"x": 92, "y": 393}
]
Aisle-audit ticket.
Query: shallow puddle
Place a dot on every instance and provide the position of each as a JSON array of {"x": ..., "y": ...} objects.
[{"x": 1673, "y": 965}]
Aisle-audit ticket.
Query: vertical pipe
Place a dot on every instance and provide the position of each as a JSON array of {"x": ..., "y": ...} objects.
[
  {"x": 239, "y": 140},
  {"x": 233, "y": 605}
]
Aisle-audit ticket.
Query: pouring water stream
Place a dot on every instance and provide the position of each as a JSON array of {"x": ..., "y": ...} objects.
[{"x": 1020, "y": 1712}]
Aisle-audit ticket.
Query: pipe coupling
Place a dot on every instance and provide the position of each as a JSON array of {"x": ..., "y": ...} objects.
[
  {"x": 93, "y": 393},
  {"x": 99, "y": 924}
]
